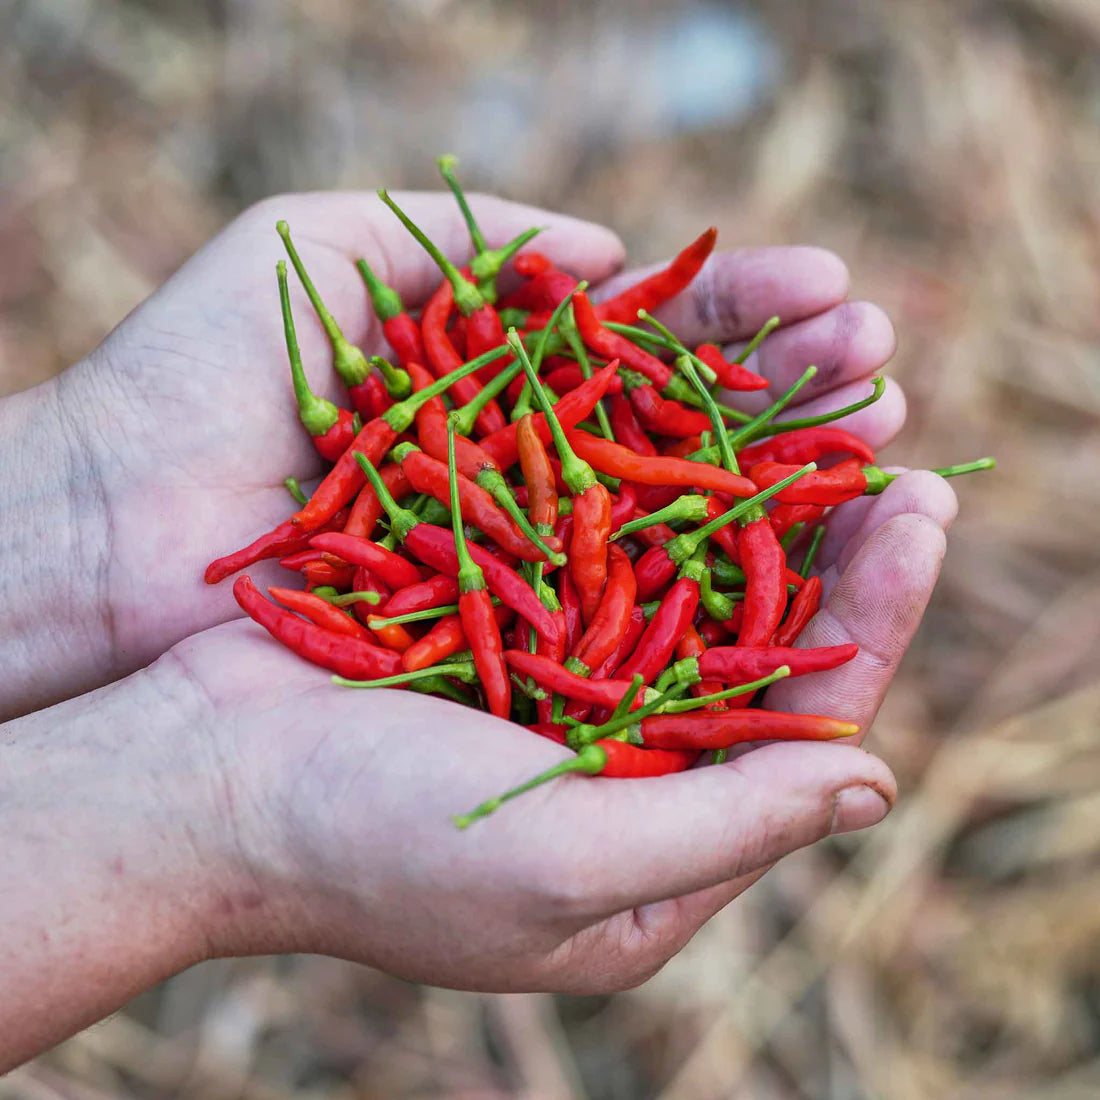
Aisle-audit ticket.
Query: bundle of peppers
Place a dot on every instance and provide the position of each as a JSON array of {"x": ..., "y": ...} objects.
[{"x": 542, "y": 508}]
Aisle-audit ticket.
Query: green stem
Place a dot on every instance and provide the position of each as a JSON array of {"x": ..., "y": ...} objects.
[
  {"x": 295, "y": 490},
  {"x": 463, "y": 671},
  {"x": 440, "y": 685},
  {"x": 749, "y": 431},
  {"x": 769, "y": 326},
  {"x": 725, "y": 450},
  {"x": 466, "y": 415},
  {"x": 878, "y": 388},
  {"x": 384, "y": 299},
  {"x": 966, "y": 467},
  {"x": 676, "y": 344},
  {"x": 470, "y": 576},
  {"x": 402, "y": 519},
  {"x": 349, "y": 598},
  {"x": 811, "y": 550},
  {"x": 577, "y": 474},
  {"x": 689, "y": 508},
  {"x": 685, "y": 706},
  {"x": 447, "y": 164},
  {"x": 397, "y": 382},
  {"x": 567, "y": 327},
  {"x": 349, "y": 361},
  {"x": 317, "y": 414},
  {"x": 468, "y": 298},
  {"x": 590, "y": 760}
]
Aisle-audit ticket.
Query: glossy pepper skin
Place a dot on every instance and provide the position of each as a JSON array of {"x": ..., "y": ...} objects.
[
  {"x": 691, "y": 644},
  {"x": 437, "y": 591},
  {"x": 805, "y": 445},
  {"x": 710, "y": 730},
  {"x": 612, "y": 617},
  {"x": 803, "y": 608},
  {"x": 367, "y": 509},
  {"x": 656, "y": 645},
  {"x": 588, "y": 547},
  {"x": 731, "y": 376},
  {"x": 319, "y": 612},
  {"x": 554, "y": 677},
  {"x": 610, "y": 345},
  {"x": 396, "y": 571},
  {"x": 764, "y": 563},
  {"x": 619, "y": 461},
  {"x": 351, "y": 657},
  {"x": 839, "y": 483},
  {"x": 661, "y": 286},
  {"x": 743, "y": 664}
]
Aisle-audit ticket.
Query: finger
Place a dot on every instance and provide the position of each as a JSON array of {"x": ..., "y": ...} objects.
[
  {"x": 676, "y": 835},
  {"x": 877, "y": 602},
  {"x": 915, "y": 491},
  {"x": 355, "y": 224},
  {"x": 851, "y": 341},
  {"x": 736, "y": 292}
]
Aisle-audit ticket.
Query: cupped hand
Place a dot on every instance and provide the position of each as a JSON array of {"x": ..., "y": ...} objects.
[{"x": 185, "y": 418}]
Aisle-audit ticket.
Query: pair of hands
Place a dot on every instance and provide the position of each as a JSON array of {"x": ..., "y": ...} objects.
[{"x": 227, "y": 799}]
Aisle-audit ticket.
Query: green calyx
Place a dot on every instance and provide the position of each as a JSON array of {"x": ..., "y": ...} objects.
[
  {"x": 725, "y": 448},
  {"x": 689, "y": 508},
  {"x": 398, "y": 382},
  {"x": 590, "y": 760},
  {"x": 629, "y": 721},
  {"x": 349, "y": 361},
  {"x": 402, "y": 521},
  {"x": 577, "y": 474},
  {"x": 492, "y": 481},
  {"x": 385, "y": 301},
  {"x": 295, "y": 490},
  {"x": 485, "y": 266},
  {"x": 470, "y": 576},
  {"x": 316, "y": 413},
  {"x": 465, "y": 416},
  {"x": 401, "y": 415},
  {"x": 718, "y": 606},
  {"x": 468, "y": 298},
  {"x": 683, "y": 546},
  {"x": 674, "y": 344},
  {"x": 402, "y": 451}
]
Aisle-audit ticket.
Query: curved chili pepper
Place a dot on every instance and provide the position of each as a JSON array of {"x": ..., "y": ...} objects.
[
  {"x": 538, "y": 476},
  {"x": 331, "y": 428},
  {"x": 805, "y": 445},
  {"x": 553, "y": 677},
  {"x": 803, "y": 608},
  {"x": 286, "y": 539},
  {"x": 294, "y": 562},
  {"x": 475, "y": 608},
  {"x": 628, "y": 432},
  {"x": 610, "y": 345},
  {"x": 662, "y": 285},
  {"x": 566, "y": 376},
  {"x": 719, "y": 730},
  {"x": 396, "y": 571},
  {"x": 350, "y": 657},
  {"x": 346, "y": 478},
  {"x": 570, "y": 411},
  {"x": 663, "y": 416},
  {"x": 437, "y": 591},
  {"x": 319, "y": 611},
  {"x": 402, "y": 333},
  {"x": 740, "y": 664},
  {"x": 544, "y": 289},
  {"x": 731, "y": 376},
  {"x": 655, "y": 646},
  {"x": 635, "y": 628},
  {"x": 571, "y": 611},
  {"x": 623, "y": 506},
  {"x": 321, "y": 573},
  {"x": 434, "y": 546},
  {"x": 612, "y": 618},
  {"x": 728, "y": 539},
  {"x": 764, "y": 563},
  {"x": 619, "y": 461},
  {"x": 443, "y": 640}
]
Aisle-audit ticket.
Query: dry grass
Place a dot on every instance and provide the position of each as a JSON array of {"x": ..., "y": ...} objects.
[{"x": 950, "y": 153}]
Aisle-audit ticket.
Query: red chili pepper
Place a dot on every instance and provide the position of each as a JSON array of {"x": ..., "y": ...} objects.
[
  {"x": 538, "y": 475},
  {"x": 654, "y": 571},
  {"x": 764, "y": 564},
  {"x": 350, "y": 657},
  {"x": 396, "y": 571},
  {"x": 743, "y": 664},
  {"x": 728, "y": 538},
  {"x": 719, "y": 730},
  {"x": 619, "y": 461},
  {"x": 402, "y": 333},
  {"x": 623, "y": 506},
  {"x": 612, "y": 618},
  {"x": 286, "y": 539},
  {"x": 625, "y": 761},
  {"x": 570, "y": 411},
  {"x": 331, "y": 428},
  {"x": 803, "y": 608},
  {"x": 663, "y": 416},
  {"x": 319, "y": 574},
  {"x": 571, "y": 611},
  {"x": 785, "y": 516},
  {"x": 294, "y": 562},
  {"x": 635, "y": 628},
  {"x": 436, "y": 591},
  {"x": 805, "y": 445},
  {"x": 552, "y": 676},
  {"x": 839, "y": 483},
  {"x": 610, "y": 345},
  {"x": 319, "y": 611},
  {"x": 475, "y": 608},
  {"x": 713, "y": 633},
  {"x": 568, "y": 376},
  {"x": 543, "y": 291},
  {"x": 662, "y": 285},
  {"x": 731, "y": 376},
  {"x": 659, "y": 640},
  {"x": 445, "y": 639}
]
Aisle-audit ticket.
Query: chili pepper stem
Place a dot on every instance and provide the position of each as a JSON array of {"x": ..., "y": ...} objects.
[
  {"x": 295, "y": 490},
  {"x": 811, "y": 551},
  {"x": 350, "y": 363},
  {"x": 316, "y": 413},
  {"x": 397, "y": 382},
  {"x": 461, "y": 670},
  {"x": 591, "y": 760}
]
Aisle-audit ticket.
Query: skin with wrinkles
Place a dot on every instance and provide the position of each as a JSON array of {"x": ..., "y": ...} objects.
[{"x": 227, "y": 799}]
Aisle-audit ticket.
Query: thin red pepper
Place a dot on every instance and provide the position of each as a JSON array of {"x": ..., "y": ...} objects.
[
  {"x": 719, "y": 730},
  {"x": 803, "y": 608},
  {"x": 552, "y": 676},
  {"x": 806, "y": 445},
  {"x": 655, "y": 646},
  {"x": 396, "y": 571},
  {"x": 663, "y": 416},
  {"x": 350, "y": 657},
  {"x": 731, "y": 376},
  {"x": 436, "y": 591},
  {"x": 661, "y": 286},
  {"x": 612, "y": 618},
  {"x": 367, "y": 511},
  {"x": 402, "y": 333},
  {"x": 319, "y": 611},
  {"x": 785, "y": 516},
  {"x": 610, "y": 345},
  {"x": 764, "y": 564},
  {"x": 691, "y": 644}
]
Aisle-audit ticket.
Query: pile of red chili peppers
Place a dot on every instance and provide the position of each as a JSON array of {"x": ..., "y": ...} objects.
[{"x": 540, "y": 507}]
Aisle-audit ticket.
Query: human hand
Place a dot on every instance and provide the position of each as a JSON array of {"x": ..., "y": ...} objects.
[{"x": 181, "y": 426}]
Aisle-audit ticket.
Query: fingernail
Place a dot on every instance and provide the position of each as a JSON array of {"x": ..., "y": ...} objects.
[{"x": 858, "y": 808}]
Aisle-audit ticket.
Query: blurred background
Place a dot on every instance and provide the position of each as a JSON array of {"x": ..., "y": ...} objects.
[{"x": 951, "y": 153}]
